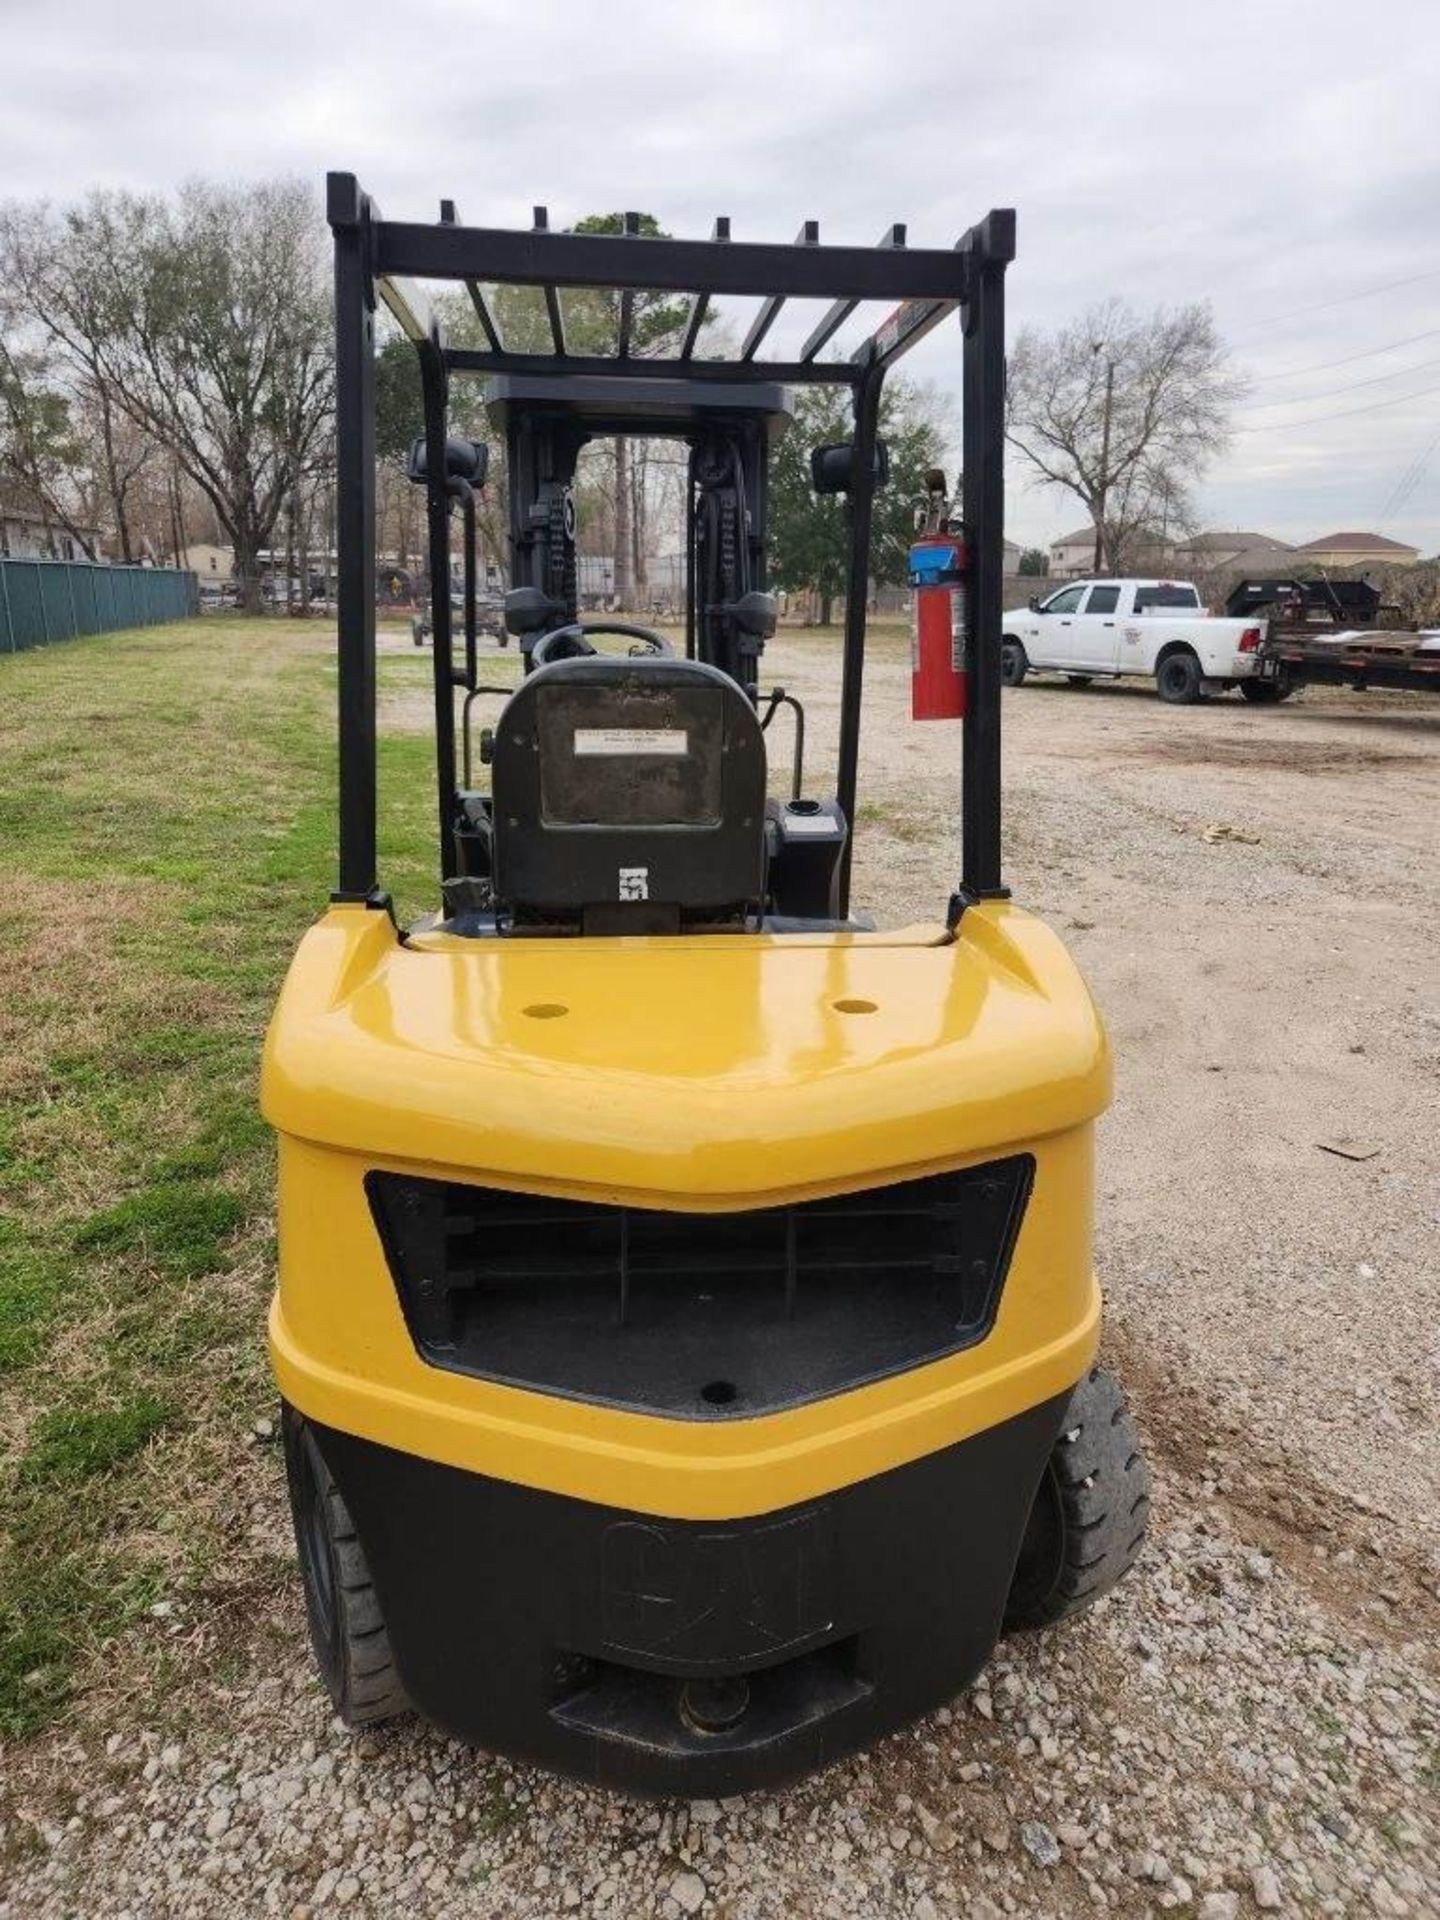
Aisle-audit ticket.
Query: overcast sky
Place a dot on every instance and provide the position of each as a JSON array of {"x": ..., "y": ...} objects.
[{"x": 1279, "y": 159}]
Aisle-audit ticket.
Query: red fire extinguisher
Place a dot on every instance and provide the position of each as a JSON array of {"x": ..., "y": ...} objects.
[{"x": 939, "y": 570}]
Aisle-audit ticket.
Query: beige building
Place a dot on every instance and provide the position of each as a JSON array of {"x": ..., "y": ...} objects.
[
  {"x": 1357, "y": 550},
  {"x": 1225, "y": 548},
  {"x": 206, "y": 562},
  {"x": 1073, "y": 554}
]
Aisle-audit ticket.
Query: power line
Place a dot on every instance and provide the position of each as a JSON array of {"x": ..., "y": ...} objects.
[
  {"x": 1326, "y": 366},
  {"x": 1323, "y": 306},
  {"x": 1346, "y": 413},
  {"x": 1400, "y": 493},
  {"x": 1354, "y": 386}
]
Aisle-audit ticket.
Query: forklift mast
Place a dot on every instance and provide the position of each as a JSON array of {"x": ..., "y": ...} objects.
[
  {"x": 541, "y": 454},
  {"x": 727, "y": 529}
]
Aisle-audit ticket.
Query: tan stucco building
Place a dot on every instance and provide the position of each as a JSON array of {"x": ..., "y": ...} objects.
[
  {"x": 1357, "y": 550},
  {"x": 206, "y": 562}
]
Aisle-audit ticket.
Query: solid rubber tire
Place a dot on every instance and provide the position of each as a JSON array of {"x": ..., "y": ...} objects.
[
  {"x": 347, "y": 1630},
  {"x": 1088, "y": 1522}
]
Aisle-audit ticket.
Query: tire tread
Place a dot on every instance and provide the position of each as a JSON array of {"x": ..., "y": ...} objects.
[
  {"x": 366, "y": 1686},
  {"x": 1104, "y": 1491}
]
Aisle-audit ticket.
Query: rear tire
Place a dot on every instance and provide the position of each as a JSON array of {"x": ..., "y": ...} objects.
[
  {"x": 1013, "y": 664},
  {"x": 347, "y": 1629},
  {"x": 1090, "y": 1513},
  {"x": 1177, "y": 679},
  {"x": 1265, "y": 693}
]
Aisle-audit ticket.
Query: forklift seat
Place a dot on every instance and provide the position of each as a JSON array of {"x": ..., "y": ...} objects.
[{"x": 629, "y": 797}]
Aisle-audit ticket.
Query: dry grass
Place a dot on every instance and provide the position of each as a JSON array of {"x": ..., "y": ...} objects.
[{"x": 165, "y": 817}]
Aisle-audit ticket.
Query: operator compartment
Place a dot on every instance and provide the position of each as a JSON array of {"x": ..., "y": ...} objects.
[{"x": 629, "y": 798}]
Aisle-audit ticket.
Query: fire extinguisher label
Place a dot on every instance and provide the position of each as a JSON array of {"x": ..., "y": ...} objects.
[{"x": 959, "y": 626}]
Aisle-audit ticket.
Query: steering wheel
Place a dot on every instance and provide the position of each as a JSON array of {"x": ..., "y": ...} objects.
[{"x": 573, "y": 642}]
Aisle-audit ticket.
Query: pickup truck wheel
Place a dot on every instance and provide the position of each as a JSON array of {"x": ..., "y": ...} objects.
[
  {"x": 1013, "y": 664},
  {"x": 1266, "y": 693},
  {"x": 1177, "y": 679},
  {"x": 1079, "y": 679},
  {"x": 1087, "y": 1524}
]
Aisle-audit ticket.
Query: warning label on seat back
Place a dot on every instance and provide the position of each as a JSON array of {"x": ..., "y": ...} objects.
[{"x": 670, "y": 741}]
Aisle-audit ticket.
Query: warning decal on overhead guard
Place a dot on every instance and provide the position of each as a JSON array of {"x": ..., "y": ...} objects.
[{"x": 672, "y": 741}]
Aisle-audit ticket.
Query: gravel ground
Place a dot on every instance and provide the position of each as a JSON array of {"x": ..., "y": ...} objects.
[{"x": 1251, "y": 1723}]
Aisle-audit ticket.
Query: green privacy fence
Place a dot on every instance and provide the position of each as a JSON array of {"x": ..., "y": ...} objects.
[{"x": 44, "y": 600}]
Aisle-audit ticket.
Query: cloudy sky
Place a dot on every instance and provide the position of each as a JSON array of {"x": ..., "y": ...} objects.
[{"x": 1277, "y": 157}]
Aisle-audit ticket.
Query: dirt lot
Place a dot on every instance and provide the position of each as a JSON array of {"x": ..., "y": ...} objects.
[{"x": 1251, "y": 1723}]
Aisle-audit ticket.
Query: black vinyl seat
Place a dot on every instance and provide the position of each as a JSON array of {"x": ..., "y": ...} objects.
[{"x": 629, "y": 797}]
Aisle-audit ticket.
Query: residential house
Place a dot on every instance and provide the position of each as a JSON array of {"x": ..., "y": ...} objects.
[
  {"x": 1209, "y": 551},
  {"x": 1352, "y": 550},
  {"x": 1072, "y": 556},
  {"x": 36, "y": 536},
  {"x": 210, "y": 564}
]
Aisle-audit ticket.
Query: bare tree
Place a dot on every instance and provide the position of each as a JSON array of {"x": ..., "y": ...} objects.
[
  {"x": 42, "y": 457},
  {"x": 204, "y": 320},
  {"x": 1124, "y": 411}
]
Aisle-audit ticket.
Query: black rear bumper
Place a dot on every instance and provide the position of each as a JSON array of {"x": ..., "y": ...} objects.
[{"x": 692, "y": 1657}]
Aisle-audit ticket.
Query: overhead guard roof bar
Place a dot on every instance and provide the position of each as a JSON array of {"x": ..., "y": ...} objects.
[
  {"x": 927, "y": 283},
  {"x": 627, "y": 298},
  {"x": 840, "y": 310},
  {"x": 808, "y": 236},
  {"x": 551, "y": 290},
  {"x": 700, "y": 303},
  {"x": 758, "y": 267},
  {"x": 450, "y": 218}
]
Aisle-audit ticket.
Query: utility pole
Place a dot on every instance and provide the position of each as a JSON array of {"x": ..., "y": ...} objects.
[{"x": 1100, "y": 555}]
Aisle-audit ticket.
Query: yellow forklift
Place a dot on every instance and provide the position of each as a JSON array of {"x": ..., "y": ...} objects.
[{"x": 686, "y": 1320}]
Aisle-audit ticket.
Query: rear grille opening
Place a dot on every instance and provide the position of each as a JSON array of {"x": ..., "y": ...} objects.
[{"x": 700, "y": 1315}]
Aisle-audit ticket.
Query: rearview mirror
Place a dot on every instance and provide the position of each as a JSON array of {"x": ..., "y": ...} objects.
[
  {"x": 531, "y": 610},
  {"x": 1034, "y": 603},
  {"x": 832, "y": 468},
  {"x": 754, "y": 613},
  {"x": 467, "y": 460}
]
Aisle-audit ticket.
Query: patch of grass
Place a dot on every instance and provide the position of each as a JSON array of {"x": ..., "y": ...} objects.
[
  {"x": 163, "y": 850},
  {"x": 27, "y": 1294},
  {"x": 179, "y": 1226},
  {"x": 71, "y": 1443},
  {"x": 896, "y": 819},
  {"x": 496, "y": 1812}
]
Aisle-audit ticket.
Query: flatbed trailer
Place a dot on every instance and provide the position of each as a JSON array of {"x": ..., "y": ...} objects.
[{"x": 1406, "y": 662}]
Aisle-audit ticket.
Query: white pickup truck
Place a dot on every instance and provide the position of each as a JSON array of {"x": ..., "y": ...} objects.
[{"x": 1158, "y": 628}]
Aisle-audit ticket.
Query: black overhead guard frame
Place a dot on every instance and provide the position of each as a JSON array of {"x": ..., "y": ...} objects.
[{"x": 375, "y": 258}]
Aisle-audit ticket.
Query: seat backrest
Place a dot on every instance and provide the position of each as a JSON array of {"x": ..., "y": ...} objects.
[{"x": 629, "y": 796}]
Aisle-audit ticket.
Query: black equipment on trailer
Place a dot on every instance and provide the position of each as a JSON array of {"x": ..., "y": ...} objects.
[{"x": 1317, "y": 601}]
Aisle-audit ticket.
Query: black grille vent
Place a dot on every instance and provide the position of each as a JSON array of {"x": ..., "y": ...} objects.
[{"x": 700, "y": 1315}]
